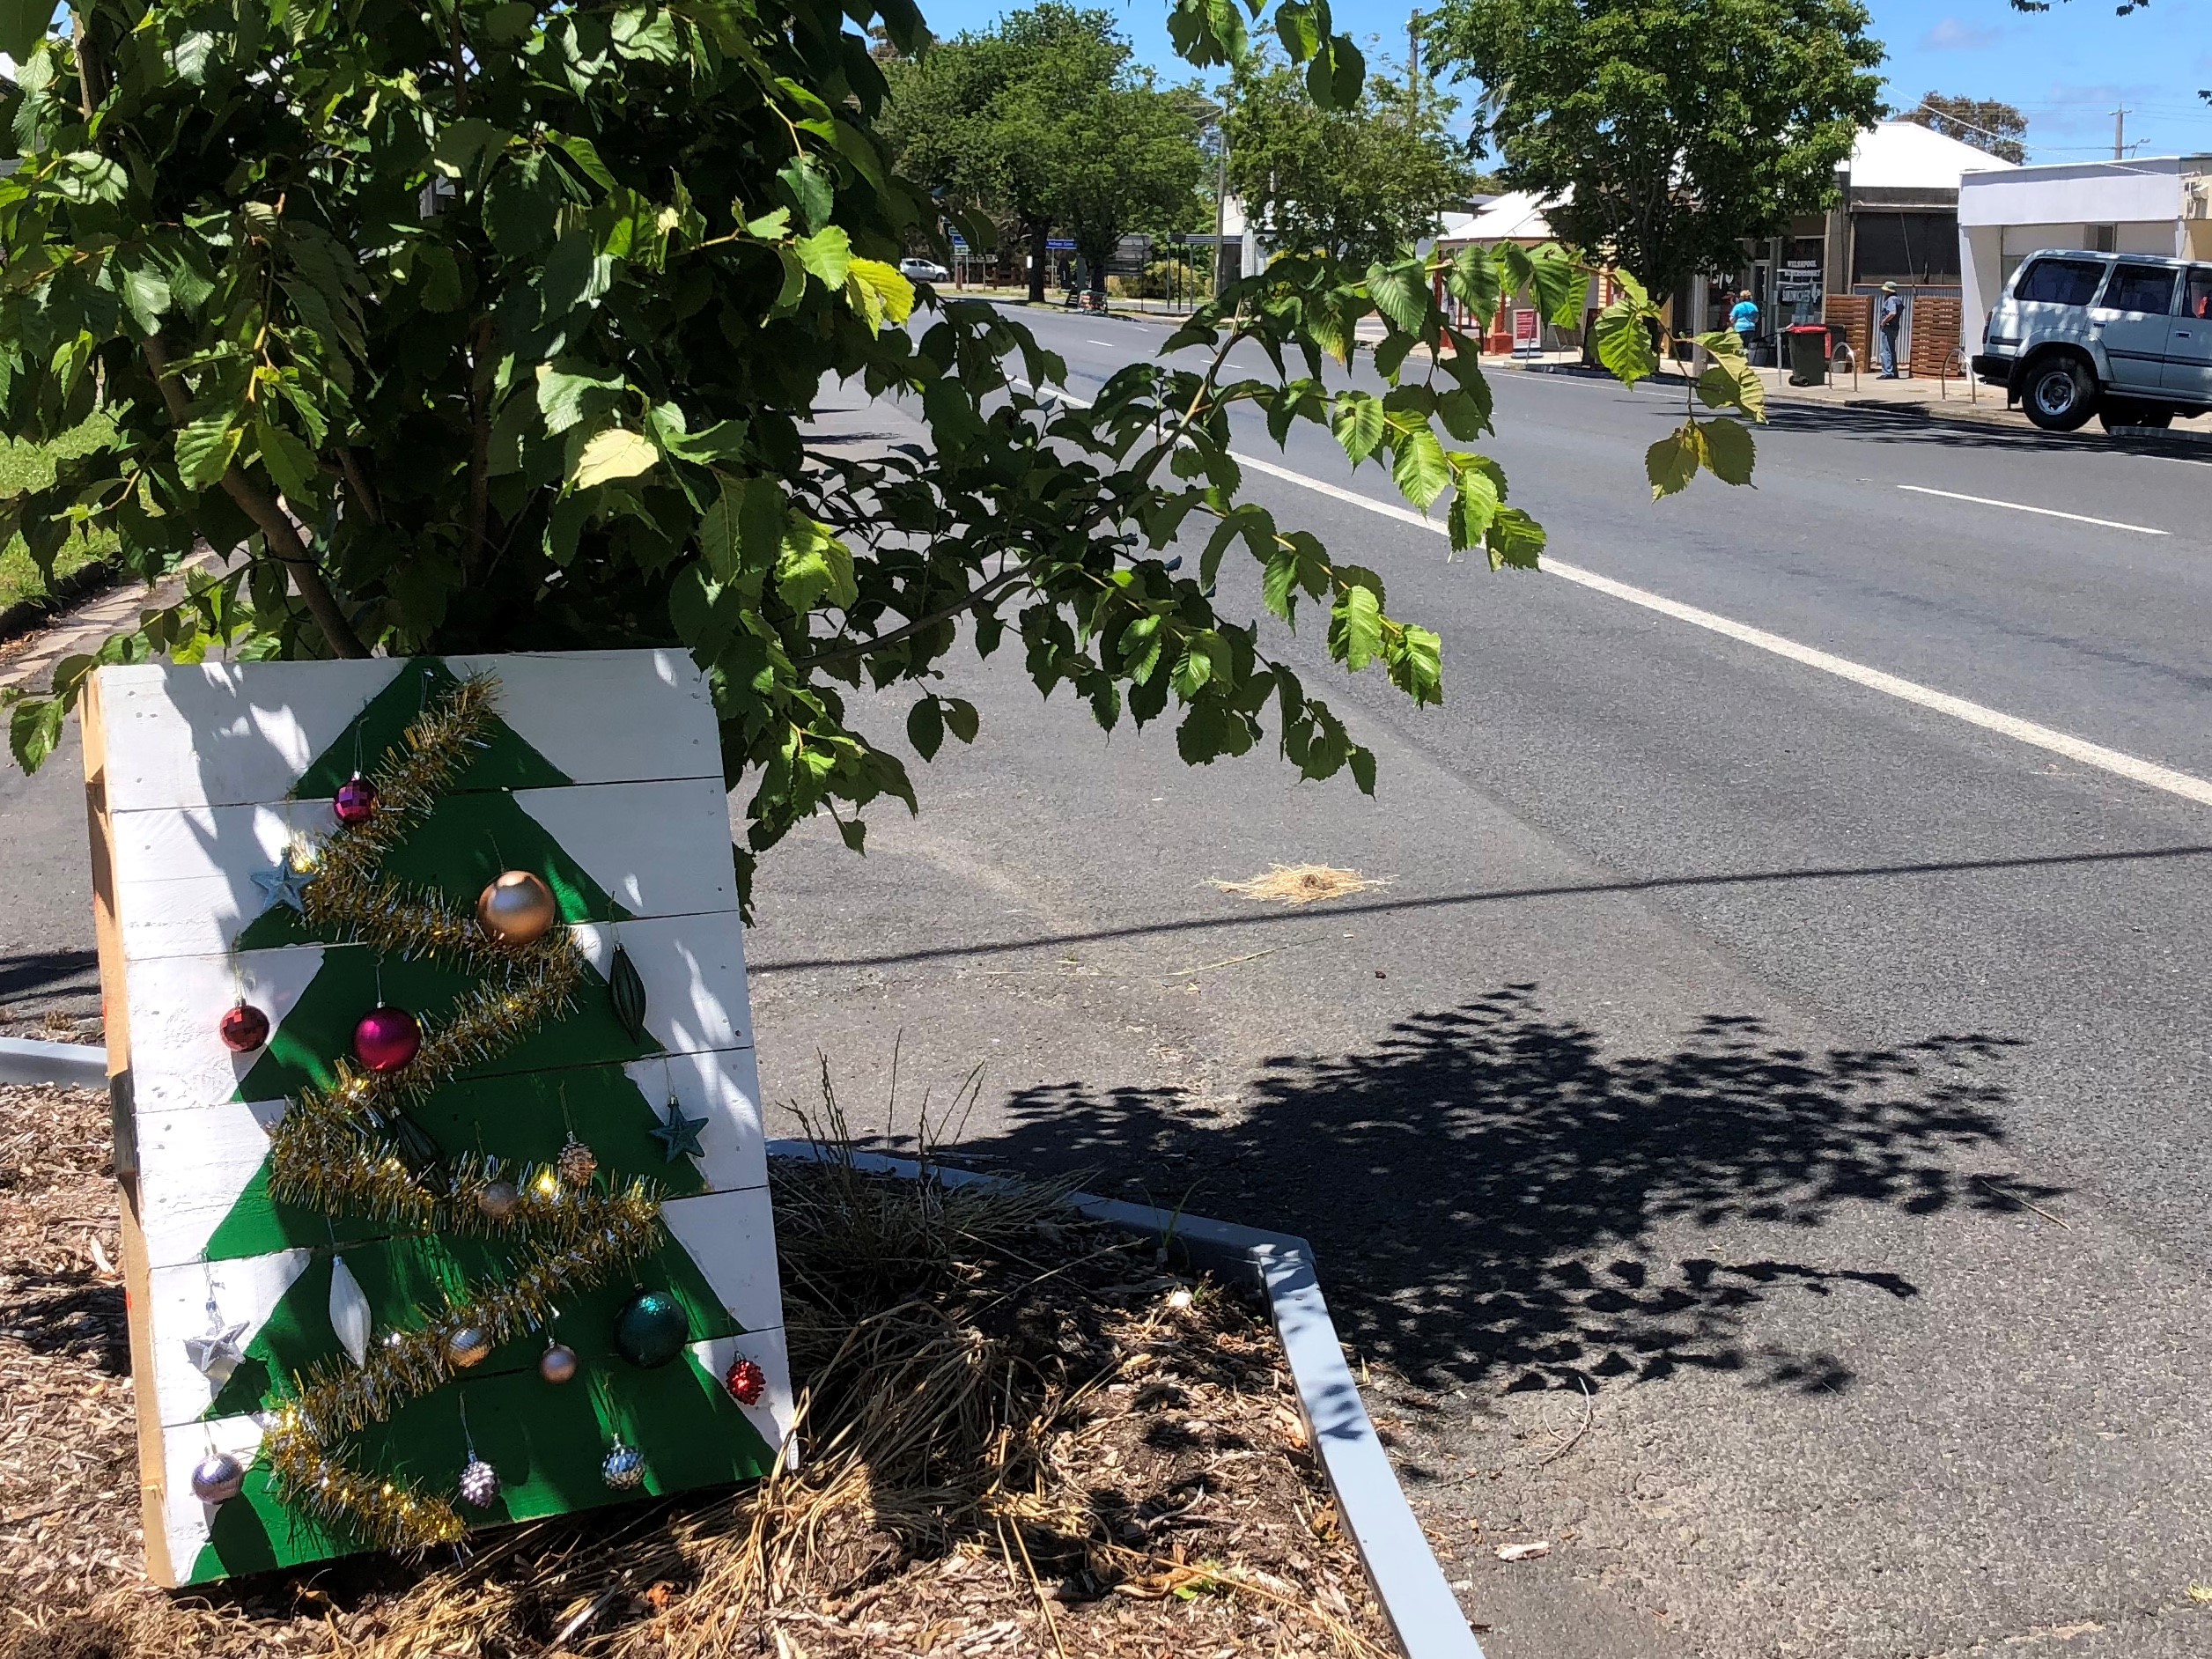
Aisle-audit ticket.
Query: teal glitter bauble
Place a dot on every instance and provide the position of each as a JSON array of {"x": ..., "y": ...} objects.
[{"x": 652, "y": 1328}]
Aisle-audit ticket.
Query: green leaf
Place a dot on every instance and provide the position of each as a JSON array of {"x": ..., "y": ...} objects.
[
  {"x": 1729, "y": 450},
  {"x": 34, "y": 729},
  {"x": 23, "y": 24},
  {"x": 616, "y": 453},
  {"x": 1623, "y": 336},
  {"x": 87, "y": 176},
  {"x": 520, "y": 204},
  {"x": 814, "y": 566},
  {"x": 1355, "y": 632},
  {"x": 826, "y": 255},
  {"x": 570, "y": 389},
  {"x": 1362, "y": 760},
  {"x": 1672, "y": 461},
  {"x": 812, "y": 192},
  {"x": 1471, "y": 279},
  {"x": 288, "y": 460},
  {"x": 718, "y": 536},
  {"x": 878, "y": 293},
  {"x": 1514, "y": 539},
  {"x": 760, "y": 523},
  {"x": 511, "y": 20},
  {"x": 1474, "y": 507},
  {"x": 926, "y": 728},
  {"x": 1419, "y": 470},
  {"x": 460, "y": 142},
  {"x": 205, "y": 448},
  {"x": 145, "y": 295},
  {"x": 959, "y": 717},
  {"x": 584, "y": 153},
  {"x": 1559, "y": 285},
  {"x": 1358, "y": 423},
  {"x": 1400, "y": 292}
]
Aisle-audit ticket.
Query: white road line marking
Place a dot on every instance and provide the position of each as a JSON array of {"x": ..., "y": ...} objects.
[
  {"x": 2148, "y": 773},
  {"x": 2047, "y": 512},
  {"x": 1104, "y": 342}
]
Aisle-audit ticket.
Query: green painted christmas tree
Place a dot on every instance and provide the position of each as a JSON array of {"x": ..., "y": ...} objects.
[{"x": 563, "y": 1080}]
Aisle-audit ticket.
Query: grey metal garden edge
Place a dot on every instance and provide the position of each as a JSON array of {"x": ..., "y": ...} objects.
[
  {"x": 1409, "y": 1583},
  {"x": 1407, "y": 1580}
]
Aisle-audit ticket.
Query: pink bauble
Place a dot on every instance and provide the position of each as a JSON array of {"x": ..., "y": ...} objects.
[
  {"x": 355, "y": 802},
  {"x": 387, "y": 1039}
]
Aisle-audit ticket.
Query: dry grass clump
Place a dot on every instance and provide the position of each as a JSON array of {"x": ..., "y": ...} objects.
[
  {"x": 1302, "y": 883},
  {"x": 1023, "y": 1437}
]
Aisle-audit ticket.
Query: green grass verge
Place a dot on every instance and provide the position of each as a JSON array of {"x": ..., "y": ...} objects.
[{"x": 31, "y": 466}]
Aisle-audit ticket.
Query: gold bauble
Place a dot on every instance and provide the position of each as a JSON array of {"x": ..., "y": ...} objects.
[
  {"x": 470, "y": 1345},
  {"x": 516, "y": 909}
]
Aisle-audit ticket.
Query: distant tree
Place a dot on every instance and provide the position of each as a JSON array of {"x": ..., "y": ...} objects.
[
  {"x": 1984, "y": 122},
  {"x": 1043, "y": 122},
  {"x": 1360, "y": 182},
  {"x": 1677, "y": 128}
]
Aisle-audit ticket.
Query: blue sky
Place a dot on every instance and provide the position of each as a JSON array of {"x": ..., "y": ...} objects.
[{"x": 2067, "y": 69}]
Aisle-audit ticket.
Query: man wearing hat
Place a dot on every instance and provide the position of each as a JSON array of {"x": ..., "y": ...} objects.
[{"x": 1891, "y": 318}]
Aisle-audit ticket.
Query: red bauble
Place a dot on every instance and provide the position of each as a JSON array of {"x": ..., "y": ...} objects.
[
  {"x": 387, "y": 1039},
  {"x": 356, "y": 801},
  {"x": 244, "y": 1028},
  {"x": 746, "y": 1382}
]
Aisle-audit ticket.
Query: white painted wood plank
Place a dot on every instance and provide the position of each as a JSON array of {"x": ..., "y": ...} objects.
[
  {"x": 176, "y": 1058},
  {"x": 723, "y": 1087},
  {"x": 732, "y": 1239},
  {"x": 197, "y": 1162},
  {"x": 234, "y": 733},
  {"x": 692, "y": 967},
  {"x": 225, "y": 732},
  {"x": 658, "y": 849},
  {"x": 771, "y": 1414},
  {"x": 185, "y": 1519},
  {"x": 184, "y": 876},
  {"x": 244, "y": 1293}
]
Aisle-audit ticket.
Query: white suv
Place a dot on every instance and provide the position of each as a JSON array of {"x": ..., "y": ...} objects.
[{"x": 2124, "y": 336}]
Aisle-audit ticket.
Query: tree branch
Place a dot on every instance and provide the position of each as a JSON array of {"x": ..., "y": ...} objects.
[
  {"x": 861, "y": 648},
  {"x": 480, "y": 387},
  {"x": 277, "y": 530}
]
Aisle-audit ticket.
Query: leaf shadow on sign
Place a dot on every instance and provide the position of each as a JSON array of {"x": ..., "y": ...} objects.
[{"x": 1485, "y": 1187}]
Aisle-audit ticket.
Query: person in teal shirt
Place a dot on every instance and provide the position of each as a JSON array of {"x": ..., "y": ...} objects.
[{"x": 1744, "y": 319}]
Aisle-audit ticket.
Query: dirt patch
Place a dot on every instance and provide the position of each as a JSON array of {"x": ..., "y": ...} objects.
[
  {"x": 1302, "y": 884},
  {"x": 1024, "y": 1438}
]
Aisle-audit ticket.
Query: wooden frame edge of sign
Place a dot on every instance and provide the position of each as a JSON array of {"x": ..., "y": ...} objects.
[{"x": 153, "y": 1476}]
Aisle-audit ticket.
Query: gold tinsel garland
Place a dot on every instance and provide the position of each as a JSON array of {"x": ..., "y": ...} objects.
[{"x": 336, "y": 1148}]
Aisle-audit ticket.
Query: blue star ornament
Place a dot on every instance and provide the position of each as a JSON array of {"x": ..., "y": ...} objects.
[
  {"x": 679, "y": 1135},
  {"x": 284, "y": 882}
]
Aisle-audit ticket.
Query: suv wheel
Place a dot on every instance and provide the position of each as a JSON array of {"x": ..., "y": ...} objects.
[{"x": 2060, "y": 393}]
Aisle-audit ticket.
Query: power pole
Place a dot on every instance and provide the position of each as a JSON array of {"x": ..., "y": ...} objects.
[
  {"x": 1221, "y": 200},
  {"x": 1413, "y": 55},
  {"x": 2120, "y": 133}
]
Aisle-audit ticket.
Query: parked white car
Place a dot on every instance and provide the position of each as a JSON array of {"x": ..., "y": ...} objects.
[
  {"x": 2124, "y": 336},
  {"x": 922, "y": 270}
]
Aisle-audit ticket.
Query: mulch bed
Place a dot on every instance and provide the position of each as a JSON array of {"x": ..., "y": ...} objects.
[{"x": 1023, "y": 1435}]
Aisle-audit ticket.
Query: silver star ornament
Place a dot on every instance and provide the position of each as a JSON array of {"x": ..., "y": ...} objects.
[
  {"x": 284, "y": 882},
  {"x": 217, "y": 1355}
]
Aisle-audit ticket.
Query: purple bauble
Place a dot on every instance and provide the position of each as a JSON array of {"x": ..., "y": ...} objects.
[
  {"x": 356, "y": 801},
  {"x": 387, "y": 1039}
]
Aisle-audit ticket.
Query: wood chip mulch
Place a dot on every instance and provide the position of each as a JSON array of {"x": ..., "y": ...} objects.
[{"x": 1120, "y": 1472}]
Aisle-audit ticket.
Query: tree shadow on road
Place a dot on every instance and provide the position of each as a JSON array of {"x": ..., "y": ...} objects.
[{"x": 1484, "y": 1186}]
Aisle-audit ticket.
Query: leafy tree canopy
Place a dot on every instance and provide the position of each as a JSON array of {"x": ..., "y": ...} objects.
[
  {"x": 1043, "y": 121},
  {"x": 1667, "y": 131},
  {"x": 1984, "y": 122},
  {"x": 1360, "y": 180},
  {"x": 464, "y": 325}
]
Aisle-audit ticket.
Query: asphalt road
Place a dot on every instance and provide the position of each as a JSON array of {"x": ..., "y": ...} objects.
[{"x": 1754, "y": 1130}]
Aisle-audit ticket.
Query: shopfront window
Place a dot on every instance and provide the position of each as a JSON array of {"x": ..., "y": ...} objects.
[{"x": 1906, "y": 247}]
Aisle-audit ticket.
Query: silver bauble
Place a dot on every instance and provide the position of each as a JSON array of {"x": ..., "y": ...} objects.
[
  {"x": 479, "y": 1483},
  {"x": 469, "y": 1345},
  {"x": 499, "y": 1199},
  {"x": 624, "y": 1469},
  {"x": 217, "y": 1479},
  {"x": 557, "y": 1363}
]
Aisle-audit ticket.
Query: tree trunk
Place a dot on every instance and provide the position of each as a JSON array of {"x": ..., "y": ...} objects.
[{"x": 1040, "y": 256}]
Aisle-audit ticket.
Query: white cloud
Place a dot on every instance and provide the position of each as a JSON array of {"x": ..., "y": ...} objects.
[{"x": 1951, "y": 35}]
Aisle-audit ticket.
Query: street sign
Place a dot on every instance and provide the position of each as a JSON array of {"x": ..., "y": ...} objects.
[{"x": 1060, "y": 245}]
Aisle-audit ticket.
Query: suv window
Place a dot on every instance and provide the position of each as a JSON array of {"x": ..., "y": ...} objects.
[
  {"x": 2196, "y": 292},
  {"x": 2060, "y": 281},
  {"x": 2144, "y": 288}
]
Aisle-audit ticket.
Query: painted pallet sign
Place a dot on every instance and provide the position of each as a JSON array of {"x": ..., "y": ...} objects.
[{"x": 258, "y": 1308}]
